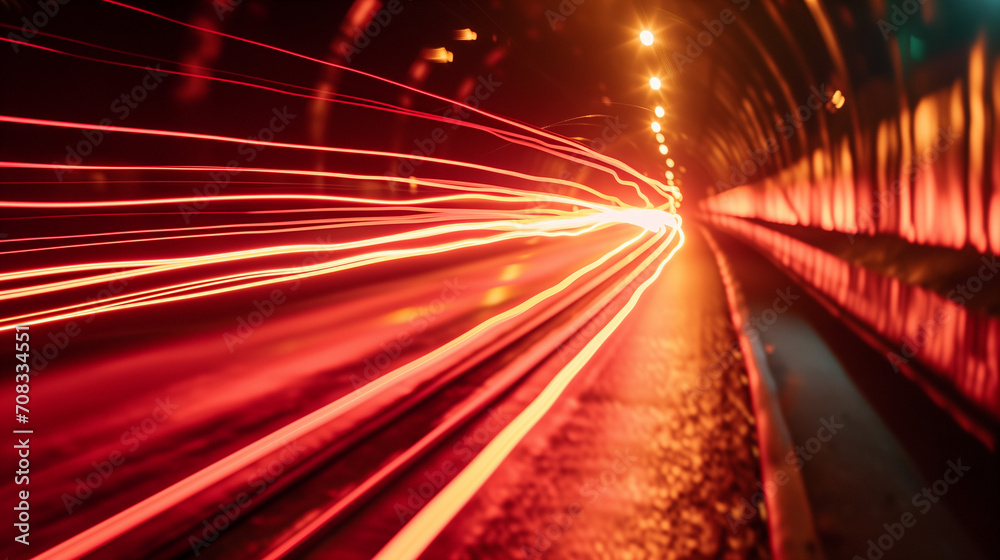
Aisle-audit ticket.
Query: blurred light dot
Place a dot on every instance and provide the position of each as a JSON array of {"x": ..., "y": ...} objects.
[
  {"x": 440, "y": 55},
  {"x": 838, "y": 99},
  {"x": 659, "y": 112},
  {"x": 646, "y": 37},
  {"x": 660, "y": 138},
  {"x": 670, "y": 175},
  {"x": 663, "y": 149},
  {"x": 670, "y": 162},
  {"x": 655, "y": 126},
  {"x": 654, "y": 82}
]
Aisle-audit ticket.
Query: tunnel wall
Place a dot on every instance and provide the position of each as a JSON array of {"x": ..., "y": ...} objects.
[
  {"x": 913, "y": 155},
  {"x": 959, "y": 347},
  {"x": 930, "y": 175}
]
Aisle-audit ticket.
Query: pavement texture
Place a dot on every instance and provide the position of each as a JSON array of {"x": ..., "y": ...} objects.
[{"x": 650, "y": 454}]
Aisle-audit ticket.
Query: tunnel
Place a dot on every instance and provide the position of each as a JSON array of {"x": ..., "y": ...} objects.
[{"x": 484, "y": 279}]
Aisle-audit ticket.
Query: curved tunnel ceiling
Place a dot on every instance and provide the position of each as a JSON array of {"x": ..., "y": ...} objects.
[{"x": 747, "y": 75}]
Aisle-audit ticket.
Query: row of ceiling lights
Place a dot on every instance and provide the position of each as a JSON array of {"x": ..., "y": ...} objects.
[{"x": 646, "y": 38}]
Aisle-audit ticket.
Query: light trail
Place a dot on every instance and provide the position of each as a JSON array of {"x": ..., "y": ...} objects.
[
  {"x": 430, "y": 520},
  {"x": 142, "y": 299},
  {"x": 638, "y": 217},
  {"x": 428, "y": 215},
  {"x": 523, "y": 140},
  {"x": 643, "y": 220},
  {"x": 302, "y": 536},
  {"x": 364, "y": 102},
  {"x": 482, "y": 207},
  {"x": 105, "y": 532},
  {"x": 178, "y": 292},
  {"x": 583, "y": 150},
  {"x": 305, "y": 147}
]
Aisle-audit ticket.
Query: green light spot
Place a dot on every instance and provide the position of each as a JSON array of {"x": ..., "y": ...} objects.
[{"x": 917, "y": 48}]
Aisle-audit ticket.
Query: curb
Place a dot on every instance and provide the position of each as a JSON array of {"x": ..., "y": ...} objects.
[{"x": 789, "y": 519}]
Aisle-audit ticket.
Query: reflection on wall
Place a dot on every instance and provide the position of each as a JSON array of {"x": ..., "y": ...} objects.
[{"x": 959, "y": 346}]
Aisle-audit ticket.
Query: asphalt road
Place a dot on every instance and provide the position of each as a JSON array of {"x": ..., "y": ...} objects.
[{"x": 651, "y": 453}]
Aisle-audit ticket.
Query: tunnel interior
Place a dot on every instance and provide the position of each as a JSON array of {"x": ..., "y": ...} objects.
[{"x": 503, "y": 279}]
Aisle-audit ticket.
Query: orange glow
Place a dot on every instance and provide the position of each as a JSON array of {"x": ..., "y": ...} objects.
[
  {"x": 923, "y": 190},
  {"x": 440, "y": 55},
  {"x": 838, "y": 99},
  {"x": 978, "y": 140}
]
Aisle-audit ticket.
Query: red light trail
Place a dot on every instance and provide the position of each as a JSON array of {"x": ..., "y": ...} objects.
[{"x": 237, "y": 253}]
